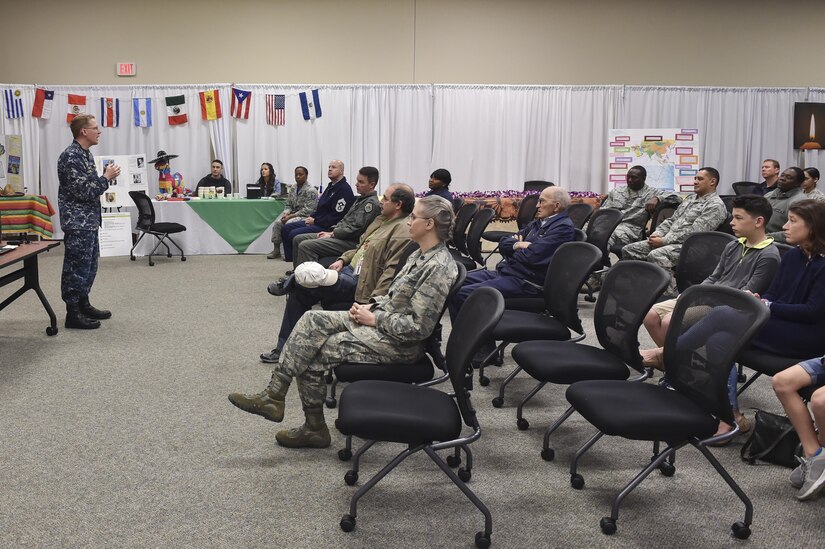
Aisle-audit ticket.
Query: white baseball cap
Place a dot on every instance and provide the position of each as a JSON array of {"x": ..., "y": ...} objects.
[{"x": 312, "y": 275}]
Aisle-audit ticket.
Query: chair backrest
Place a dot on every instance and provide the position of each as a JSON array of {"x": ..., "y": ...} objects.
[
  {"x": 481, "y": 220},
  {"x": 537, "y": 185},
  {"x": 601, "y": 226},
  {"x": 725, "y": 227},
  {"x": 783, "y": 248},
  {"x": 628, "y": 291},
  {"x": 579, "y": 214},
  {"x": 462, "y": 221},
  {"x": 473, "y": 325},
  {"x": 710, "y": 325},
  {"x": 527, "y": 210},
  {"x": 699, "y": 256},
  {"x": 405, "y": 255},
  {"x": 728, "y": 200},
  {"x": 580, "y": 235},
  {"x": 660, "y": 213},
  {"x": 457, "y": 203},
  {"x": 746, "y": 187},
  {"x": 432, "y": 345},
  {"x": 145, "y": 210},
  {"x": 569, "y": 267}
]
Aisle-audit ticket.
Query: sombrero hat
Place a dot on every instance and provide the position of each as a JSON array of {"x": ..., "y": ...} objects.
[{"x": 162, "y": 156}]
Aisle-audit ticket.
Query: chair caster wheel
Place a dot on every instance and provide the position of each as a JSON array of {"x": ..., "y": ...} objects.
[
  {"x": 331, "y": 402},
  {"x": 741, "y": 378},
  {"x": 741, "y": 530},
  {"x": 482, "y": 541},
  {"x": 51, "y": 331},
  {"x": 548, "y": 454},
  {"x": 453, "y": 460},
  {"x": 464, "y": 474},
  {"x": 498, "y": 360},
  {"x": 351, "y": 477},
  {"x": 182, "y": 258},
  {"x": 522, "y": 424},
  {"x": 667, "y": 469},
  {"x": 608, "y": 526},
  {"x": 590, "y": 299},
  {"x": 498, "y": 402},
  {"x": 347, "y": 523},
  {"x": 345, "y": 454},
  {"x": 577, "y": 482},
  {"x": 132, "y": 257},
  {"x": 151, "y": 263},
  {"x": 484, "y": 381}
]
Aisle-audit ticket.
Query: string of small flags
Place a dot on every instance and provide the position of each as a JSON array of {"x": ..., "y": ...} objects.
[{"x": 108, "y": 112}]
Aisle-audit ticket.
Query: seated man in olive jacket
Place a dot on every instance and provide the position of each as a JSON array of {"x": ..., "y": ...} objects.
[{"x": 358, "y": 274}]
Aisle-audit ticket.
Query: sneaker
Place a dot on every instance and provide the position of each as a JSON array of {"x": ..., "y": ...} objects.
[
  {"x": 814, "y": 481},
  {"x": 271, "y": 357},
  {"x": 797, "y": 477},
  {"x": 663, "y": 382}
]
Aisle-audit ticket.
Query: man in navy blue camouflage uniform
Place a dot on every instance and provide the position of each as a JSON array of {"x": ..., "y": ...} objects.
[{"x": 78, "y": 199}]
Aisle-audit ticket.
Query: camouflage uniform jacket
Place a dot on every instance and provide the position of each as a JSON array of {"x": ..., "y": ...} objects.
[
  {"x": 695, "y": 214},
  {"x": 406, "y": 316},
  {"x": 780, "y": 202},
  {"x": 632, "y": 204},
  {"x": 78, "y": 197},
  {"x": 301, "y": 202},
  {"x": 815, "y": 194},
  {"x": 382, "y": 245},
  {"x": 358, "y": 217}
]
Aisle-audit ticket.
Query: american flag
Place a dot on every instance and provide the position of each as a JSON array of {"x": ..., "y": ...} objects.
[{"x": 275, "y": 109}]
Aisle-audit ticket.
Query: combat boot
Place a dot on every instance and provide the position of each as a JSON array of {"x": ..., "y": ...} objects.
[
  {"x": 312, "y": 434},
  {"x": 268, "y": 404},
  {"x": 275, "y": 254},
  {"x": 76, "y": 319},
  {"x": 91, "y": 312}
]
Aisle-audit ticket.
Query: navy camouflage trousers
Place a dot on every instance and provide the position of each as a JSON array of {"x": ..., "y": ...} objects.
[{"x": 81, "y": 250}]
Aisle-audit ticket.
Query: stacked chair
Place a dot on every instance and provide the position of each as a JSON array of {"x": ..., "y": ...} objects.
[
  {"x": 599, "y": 230},
  {"x": 473, "y": 259},
  {"x": 526, "y": 213},
  {"x": 579, "y": 214}
]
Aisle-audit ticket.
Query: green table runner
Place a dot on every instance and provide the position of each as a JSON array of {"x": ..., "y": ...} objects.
[{"x": 239, "y": 221}]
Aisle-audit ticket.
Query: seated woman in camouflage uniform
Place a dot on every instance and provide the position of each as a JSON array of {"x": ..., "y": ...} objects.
[{"x": 390, "y": 329}]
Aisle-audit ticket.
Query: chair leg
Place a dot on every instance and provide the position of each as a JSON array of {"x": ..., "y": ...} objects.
[
  {"x": 498, "y": 402},
  {"x": 498, "y": 352},
  {"x": 353, "y": 505},
  {"x": 732, "y": 483},
  {"x": 747, "y": 384},
  {"x": 581, "y": 451},
  {"x": 175, "y": 244},
  {"x": 132, "y": 251},
  {"x": 356, "y": 458},
  {"x": 331, "y": 401},
  {"x": 548, "y": 453},
  {"x": 522, "y": 423},
  {"x": 488, "y": 518},
  {"x": 345, "y": 453}
]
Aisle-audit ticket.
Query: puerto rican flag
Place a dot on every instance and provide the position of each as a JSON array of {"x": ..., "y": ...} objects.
[
  {"x": 310, "y": 105},
  {"x": 241, "y": 99},
  {"x": 176, "y": 110},
  {"x": 43, "y": 101},
  {"x": 14, "y": 103},
  {"x": 143, "y": 112},
  {"x": 109, "y": 112},
  {"x": 275, "y": 110},
  {"x": 77, "y": 105}
]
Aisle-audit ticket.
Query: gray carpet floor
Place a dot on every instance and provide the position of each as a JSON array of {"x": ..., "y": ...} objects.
[{"x": 123, "y": 437}]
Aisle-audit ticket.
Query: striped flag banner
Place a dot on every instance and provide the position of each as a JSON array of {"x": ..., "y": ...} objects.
[
  {"x": 241, "y": 99},
  {"x": 143, "y": 112},
  {"x": 76, "y": 106},
  {"x": 109, "y": 112},
  {"x": 310, "y": 105},
  {"x": 14, "y": 103},
  {"x": 43, "y": 102},
  {"x": 275, "y": 110},
  {"x": 210, "y": 104},
  {"x": 176, "y": 110}
]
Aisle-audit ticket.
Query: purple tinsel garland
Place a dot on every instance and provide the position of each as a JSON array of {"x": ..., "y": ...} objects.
[{"x": 512, "y": 194}]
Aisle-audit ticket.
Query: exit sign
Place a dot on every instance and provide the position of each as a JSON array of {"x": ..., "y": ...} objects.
[{"x": 126, "y": 69}]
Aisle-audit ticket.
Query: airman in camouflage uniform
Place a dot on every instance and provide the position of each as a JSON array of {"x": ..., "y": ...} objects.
[
  {"x": 636, "y": 200},
  {"x": 345, "y": 234},
  {"x": 703, "y": 211},
  {"x": 78, "y": 199},
  {"x": 390, "y": 329},
  {"x": 301, "y": 200}
]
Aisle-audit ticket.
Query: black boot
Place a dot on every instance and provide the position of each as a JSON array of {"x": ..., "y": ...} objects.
[
  {"x": 76, "y": 319},
  {"x": 90, "y": 312}
]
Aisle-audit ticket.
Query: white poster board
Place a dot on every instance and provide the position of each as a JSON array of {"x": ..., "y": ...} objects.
[
  {"x": 115, "y": 234},
  {"x": 670, "y": 156},
  {"x": 11, "y": 162},
  {"x": 133, "y": 177}
]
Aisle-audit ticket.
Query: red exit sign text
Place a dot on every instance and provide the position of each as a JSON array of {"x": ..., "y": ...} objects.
[{"x": 126, "y": 69}]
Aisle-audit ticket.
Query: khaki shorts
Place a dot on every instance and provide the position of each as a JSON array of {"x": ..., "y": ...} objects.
[{"x": 664, "y": 308}]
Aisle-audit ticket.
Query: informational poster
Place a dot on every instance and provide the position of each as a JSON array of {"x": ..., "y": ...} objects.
[
  {"x": 670, "y": 156},
  {"x": 133, "y": 177},
  {"x": 11, "y": 162},
  {"x": 115, "y": 234}
]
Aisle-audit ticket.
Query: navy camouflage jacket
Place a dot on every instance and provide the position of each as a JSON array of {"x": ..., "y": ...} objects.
[{"x": 78, "y": 197}]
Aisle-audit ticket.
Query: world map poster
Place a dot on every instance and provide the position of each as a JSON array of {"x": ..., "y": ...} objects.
[{"x": 670, "y": 156}]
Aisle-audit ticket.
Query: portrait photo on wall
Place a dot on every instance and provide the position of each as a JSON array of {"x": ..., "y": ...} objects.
[{"x": 807, "y": 119}]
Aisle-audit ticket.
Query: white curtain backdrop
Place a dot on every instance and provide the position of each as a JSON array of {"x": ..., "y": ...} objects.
[
  {"x": 389, "y": 127},
  {"x": 27, "y": 128},
  {"x": 497, "y": 137}
]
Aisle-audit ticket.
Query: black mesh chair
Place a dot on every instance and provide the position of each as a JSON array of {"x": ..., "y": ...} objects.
[
  {"x": 659, "y": 215},
  {"x": 747, "y": 187},
  {"x": 599, "y": 230},
  {"x": 569, "y": 267},
  {"x": 423, "y": 418},
  {"x": 699, "y": 256},
  {"x": 457, "y": 203},
  {"x": 462, "y": 221},
  {"x": 146, "y": 225},
  {"x": 728, "y": 200},
  {"x": 537, "y": 185},
  {"x": 579, "y": 214},
  {"x": 474, "y": 258},
  {"x": 762, "y": 363},
  {"x": 630, "y": 288},
  {"x": 580, "y": 235},
  {"x": 697, "y": 357},
  {"x": 526, "y": 213}
]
